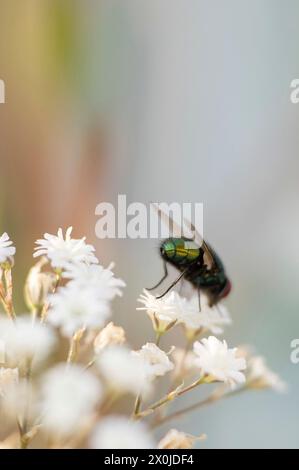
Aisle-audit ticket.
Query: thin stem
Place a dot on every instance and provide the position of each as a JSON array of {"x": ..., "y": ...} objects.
[
  {"x": 23, "y": 426},
  {"x": 158, "y": 337},
  {"x": 169, "y": 397},
  {"x": 46, "y": 306},
  {"x": 137, "y": 406},
  {"x": 6, "y": 294},
  {"x": 75, "y": 345},
  {"x": 209, "y": 400},
  {"x": 89, "y": 364}
]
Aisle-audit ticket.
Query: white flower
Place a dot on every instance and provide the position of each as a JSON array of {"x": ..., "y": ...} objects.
[
  {"x": 73, "y": 309},
  {"x": 8, "y": 377},
  {"x": 7, "y": 250},
  {"x": 209, "y": 318},
  {"x": 123, "y": 371},
  {"x": 25, "y": 340},
  {"x": 216, "y": 360},
  {"x": 117, "y": 432},
  {"x": 260, "y": 376},
  {"x": 175, "y": 439},
  {"x": 155, "y": 361},
  {"x": 164, "y": 311},
  {"x": 64, "y": 251},
  {"x": 110, "y": 335},
  {"x": 102, "y": 279},
  {"x": 69, "y": 395}
]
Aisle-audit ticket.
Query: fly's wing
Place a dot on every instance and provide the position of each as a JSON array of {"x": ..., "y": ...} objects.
[
  {"x": 173, "y": 226},
  {"x": 208, "y": 255}
]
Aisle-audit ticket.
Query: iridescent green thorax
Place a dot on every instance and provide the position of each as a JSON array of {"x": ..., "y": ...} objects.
[{"x": 179, "y": 251}]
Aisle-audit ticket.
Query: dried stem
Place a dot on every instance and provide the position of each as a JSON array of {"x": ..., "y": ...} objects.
[
  {"x": 75, "y": 345},
  {"x": 46, "y": 306},
  {"x": 6, "y": 294},
  {"x": 171, "y": 396},
  {"x": 137, "y": 406}
]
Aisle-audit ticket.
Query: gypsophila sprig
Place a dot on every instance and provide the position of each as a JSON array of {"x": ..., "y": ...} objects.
[{"x": 69, "y": 378}]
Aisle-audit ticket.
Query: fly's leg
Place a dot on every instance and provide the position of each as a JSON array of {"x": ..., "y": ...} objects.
[
  {"x": 173, "y": 283},
  {"x": 163, "y": 278}
]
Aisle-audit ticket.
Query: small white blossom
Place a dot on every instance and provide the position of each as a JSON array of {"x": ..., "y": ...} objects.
[
  {"x": 155, "y": 361},
  {"x": 110, "y": 335},
  {"x": 117, "y": 432},
  {"x": 73, "y": 309},
  {"x": 65, "y": 251},
  {"x": 102, "y": 279},
  {"x": 175, "y": 439},
  {"x": 164, "y": 310},
  {"x": 69, "y": 395},
  {"x": 25, "y": 340},
  {"x": 7, "y": 250},
  {"x": 208, "y": 318},
  {"x": 174, "y": 308},
  {"x": 220, "y": 362},
  {"x": 260, "y": 376},
  {"x": 123, "y": 371}
]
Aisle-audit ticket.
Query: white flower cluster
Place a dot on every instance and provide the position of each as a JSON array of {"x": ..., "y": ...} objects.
[
  {"x": 7, "y": 250},
  {"x": 71, "y": 403},
  {"x": 85, "y": 301},
  {"x": 174, "y": 308}
]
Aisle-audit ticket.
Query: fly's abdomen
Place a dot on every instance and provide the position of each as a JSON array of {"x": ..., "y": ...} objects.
[{"x": 180, "y": 251}]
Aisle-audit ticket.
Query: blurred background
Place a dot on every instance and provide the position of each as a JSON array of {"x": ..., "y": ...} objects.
[{"x": 169, "y": 100}]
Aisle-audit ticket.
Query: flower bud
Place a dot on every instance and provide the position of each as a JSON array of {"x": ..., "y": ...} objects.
[
  {"x": 38, "y": 285},
  {"x": 110, "y": 335},
  {"x": 175, "y": 439}
]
